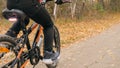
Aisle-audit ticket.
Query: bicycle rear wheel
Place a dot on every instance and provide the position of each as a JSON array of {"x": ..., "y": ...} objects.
[
  {"x": 56, "y": 48},
  {"x": 6, "y": 50}
]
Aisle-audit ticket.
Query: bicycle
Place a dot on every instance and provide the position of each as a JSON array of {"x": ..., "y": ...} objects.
[{"x": 20, "y": 51}]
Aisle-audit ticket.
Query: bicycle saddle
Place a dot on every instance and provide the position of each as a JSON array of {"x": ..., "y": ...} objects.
[{"x": 13, "y": 13}]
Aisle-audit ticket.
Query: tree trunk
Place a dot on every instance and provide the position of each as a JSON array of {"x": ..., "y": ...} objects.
[
  {"x": 73, "y": 8},
  {"x": 115, "y": 5},
  {"x": 101, "y": 2},
  {"x": 55, "y": 11}
]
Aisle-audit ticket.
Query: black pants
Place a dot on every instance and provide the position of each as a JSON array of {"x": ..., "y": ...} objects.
[{"x": 37, "y": 13}]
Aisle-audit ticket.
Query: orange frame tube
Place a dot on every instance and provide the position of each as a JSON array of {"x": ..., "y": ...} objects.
[
  {"x": 40, "y": 32},
  {"x": 37, "y": 39},
  {"x": 34, "y": 26}
]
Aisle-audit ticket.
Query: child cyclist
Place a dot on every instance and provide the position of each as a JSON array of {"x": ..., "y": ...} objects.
[{"x": 34, "y": 10}]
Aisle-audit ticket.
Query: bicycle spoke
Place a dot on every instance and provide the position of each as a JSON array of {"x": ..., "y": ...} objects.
[{"x": 8, "y": 64}]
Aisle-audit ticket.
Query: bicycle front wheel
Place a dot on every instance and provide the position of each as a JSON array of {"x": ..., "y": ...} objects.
[
  {"x": 56, "y": 43},
  {"x": 6, "y": 50},
  {"x": 56, "y": 48}
]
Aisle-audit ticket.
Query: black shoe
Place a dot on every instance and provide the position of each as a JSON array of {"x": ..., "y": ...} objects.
[{"x": 50, "y": 57}]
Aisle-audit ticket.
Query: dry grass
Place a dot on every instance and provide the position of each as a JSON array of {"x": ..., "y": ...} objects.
[{"x": 77, "y": 31}]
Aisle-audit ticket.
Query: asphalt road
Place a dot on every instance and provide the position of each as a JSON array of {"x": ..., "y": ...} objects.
[{"x": 101, "y": 51}]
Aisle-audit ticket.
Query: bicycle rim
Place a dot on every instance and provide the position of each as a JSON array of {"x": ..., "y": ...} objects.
[{"x": 6, "y": 50}]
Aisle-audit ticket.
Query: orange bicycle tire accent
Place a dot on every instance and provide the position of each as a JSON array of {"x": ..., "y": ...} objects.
[
  {"x": 24, "y": 64},
  {"x": 4, "y": 49}
]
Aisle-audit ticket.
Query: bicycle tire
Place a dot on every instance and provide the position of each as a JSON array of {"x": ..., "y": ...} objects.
[
  {"x": 57, "y": 40},
  {"x": 56, "y": 46},
  {"x": 9, "y": 43}
]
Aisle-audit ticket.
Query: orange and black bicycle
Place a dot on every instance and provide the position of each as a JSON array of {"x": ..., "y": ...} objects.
[{"x": 16, "y": 53}]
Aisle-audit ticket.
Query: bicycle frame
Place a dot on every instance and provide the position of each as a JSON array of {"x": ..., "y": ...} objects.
[
  {"x": 26, "y": 41},
  {"x": 36, "y": 39}
]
